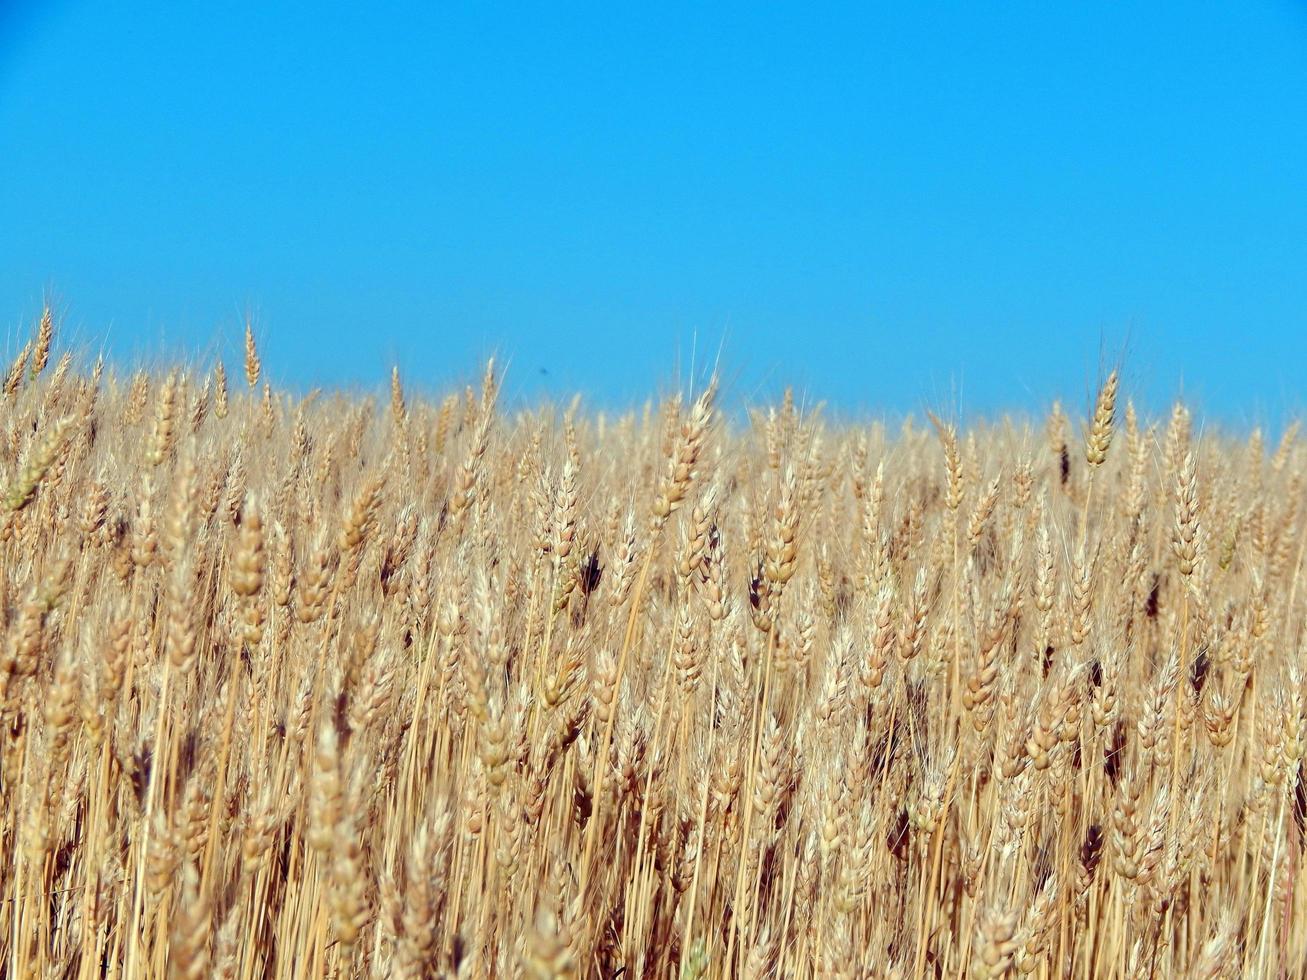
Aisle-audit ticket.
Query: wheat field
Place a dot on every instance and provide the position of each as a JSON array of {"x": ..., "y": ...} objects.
[{"x": 329, "y": 686}]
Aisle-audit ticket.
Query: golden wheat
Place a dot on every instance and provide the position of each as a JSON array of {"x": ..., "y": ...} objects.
[{"x": 301, "y": 687}]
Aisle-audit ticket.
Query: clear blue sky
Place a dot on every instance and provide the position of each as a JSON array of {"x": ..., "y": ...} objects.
[{"x": 890, "y": 205}]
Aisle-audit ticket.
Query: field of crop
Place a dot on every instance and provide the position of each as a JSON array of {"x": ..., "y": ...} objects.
[{"x": 324, "y": 686}]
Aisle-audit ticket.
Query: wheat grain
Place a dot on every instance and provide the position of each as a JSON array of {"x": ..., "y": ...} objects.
[{"x": 301, "y": 686}]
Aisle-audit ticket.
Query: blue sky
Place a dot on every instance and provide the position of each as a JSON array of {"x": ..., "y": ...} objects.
[{"x": 890, "y": 206}]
